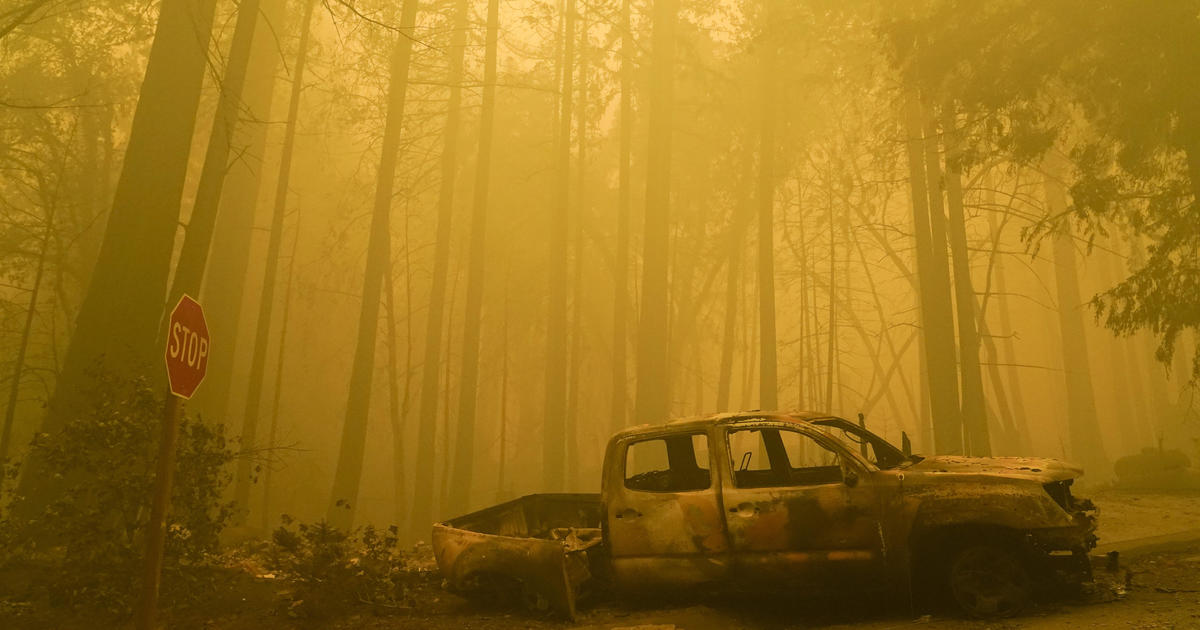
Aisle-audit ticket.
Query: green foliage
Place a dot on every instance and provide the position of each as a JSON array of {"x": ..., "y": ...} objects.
[
  {"x": 90, "y": 539},
  {"x": 1106, "y": 83},
  {"x": 333, "y": 569}
]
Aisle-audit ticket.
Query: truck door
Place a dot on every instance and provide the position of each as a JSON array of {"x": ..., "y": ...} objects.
[
  {"x": 664, "y": 522},
  {"x": 799, "y": 509}
]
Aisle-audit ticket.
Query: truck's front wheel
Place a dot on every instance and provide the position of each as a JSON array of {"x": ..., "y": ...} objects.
[{"x": 988, "y": 580}]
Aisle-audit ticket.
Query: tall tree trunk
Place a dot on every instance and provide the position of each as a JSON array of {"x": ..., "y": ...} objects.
[
  {"x": 804, "y": 386},
  {"x": 812, "y": 343},
  {"x": 397, "y": 399},
  {"x": 1008, "y": 355},
  {"x": 768, "y": 383},
  {"x": 974, "y": 407},
  {"x": 93, "y": 203},
  {"x": 502, "y": 457},
  {"x": 555, "y": 436},
  {"x": 119, "y": 315},
  {"x": 273, "y": 427},
  {"x": 1013, "y": 438},
  {"x": 831, "y": 345},
  {"x": 1083, "y": 427},
  {"x": 1121, "y": 396},
  {"x": 577, "y": 289},
  {"x": 750, "y": 344},
  {"x": 468, "y": 394},
  {"x": 733, "y": 273},
  {"x": 14, "y": 390},
  {"x": 1182, "y": 356},
  {"x": 652, "y": 404},
  {"x": 1143, "y": 349},
  {"x": 620, "y": 369},
  {"x": 436, "y": 318},
  {"x": 933, "y": 293},
  {"x": 443, "y": 478},
  {"x": 399, "y": 408},
  {"x": 225, "y": 275},
  {"x": 266, "y": 304},
  {"x": 193, "y": 257},
  {"x": 343, "y": 500}
]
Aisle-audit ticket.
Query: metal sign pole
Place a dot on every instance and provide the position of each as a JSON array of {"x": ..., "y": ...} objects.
[{"x": 155, "y": 529}]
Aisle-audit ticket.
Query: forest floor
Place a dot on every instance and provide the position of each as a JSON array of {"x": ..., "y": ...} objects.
[{"x": 1158, "y": 586}]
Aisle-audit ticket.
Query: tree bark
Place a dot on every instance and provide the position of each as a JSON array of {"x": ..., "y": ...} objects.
[
  {"x": 652, "y": 404},
  {"x": 469, "y": 377},
  {"x": 1083, "y": 428},
  {"x": 577, "y": 288},
  {"x": 831, "y": 357},
  {"x": 933, "y": 293},
  {"x": 436, "y": 318},
  {"x": 1143, "y": 351},
  {"x": 400, "y": 408},
  {"x": 555, "y": 436},
  {"x": 1121, "y": 395},
  {"x": 733, "y": 274},
  {"x": 768, "y": 382},
  {"x": 118, "y": 318},
  {"x": 343, "y": 500},
  {"x": 502, "y": 457},
  {"x": 620, "y": 361},
  {"x": 397, "y": 400},
  {"x": 1008, "y": 354},
  {"x": 273, "y": 427},
  {"x": 266, "y": 304},
  {"x": 14, "y": 391},
  {"x": 225, "y": 275},
  {"x": 193, "y": 256},
  {"x": 974, "y": 407}
]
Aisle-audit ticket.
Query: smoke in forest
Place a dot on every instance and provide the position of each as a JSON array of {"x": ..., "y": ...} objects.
[{"x": 446, "y": 248}]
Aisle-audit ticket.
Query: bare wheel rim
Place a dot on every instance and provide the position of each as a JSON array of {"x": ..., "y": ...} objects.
[{"x": 989, "y": 581}]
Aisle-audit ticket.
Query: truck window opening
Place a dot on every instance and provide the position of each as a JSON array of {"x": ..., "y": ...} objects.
[
  {"x": 675, "y": 463},
  {"x": 792, "y": 459}
]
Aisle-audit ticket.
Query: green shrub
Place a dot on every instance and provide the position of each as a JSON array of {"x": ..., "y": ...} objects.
[
  {"x": 333, "y": 570},
  {"x": 88, "y": 541}
]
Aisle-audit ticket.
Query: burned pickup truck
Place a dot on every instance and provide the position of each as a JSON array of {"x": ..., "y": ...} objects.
[{"x": 782, "y": 501}]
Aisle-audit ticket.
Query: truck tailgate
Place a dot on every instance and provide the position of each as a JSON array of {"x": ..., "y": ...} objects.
[{"x": 539, "y": 542}]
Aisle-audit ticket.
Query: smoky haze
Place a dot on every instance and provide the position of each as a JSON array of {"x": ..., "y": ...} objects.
[{"x": 447, "y": 247}]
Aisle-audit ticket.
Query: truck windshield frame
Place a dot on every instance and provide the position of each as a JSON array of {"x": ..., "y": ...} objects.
[{"x": 886, "y": 454}]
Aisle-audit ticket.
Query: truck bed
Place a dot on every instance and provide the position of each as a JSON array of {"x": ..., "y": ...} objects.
[{"x": 536, "y": 547}]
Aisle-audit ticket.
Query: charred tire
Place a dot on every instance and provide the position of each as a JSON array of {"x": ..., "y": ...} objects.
[{"x": 988, "y": 580}]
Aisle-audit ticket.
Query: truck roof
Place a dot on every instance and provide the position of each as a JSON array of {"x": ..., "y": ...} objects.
[{"x": 700, "y": 422}]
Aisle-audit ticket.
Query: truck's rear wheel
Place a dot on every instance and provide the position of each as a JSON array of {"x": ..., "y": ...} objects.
[{"x": 988, "y": 580}]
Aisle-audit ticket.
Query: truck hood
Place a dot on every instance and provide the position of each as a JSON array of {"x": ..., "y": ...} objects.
[{"x": 1028, "y": 468}]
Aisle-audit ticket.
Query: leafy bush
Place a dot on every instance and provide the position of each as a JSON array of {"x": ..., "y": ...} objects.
[
  {"x": 88, "y": 541},
  {"x": 333, "y": 569}
]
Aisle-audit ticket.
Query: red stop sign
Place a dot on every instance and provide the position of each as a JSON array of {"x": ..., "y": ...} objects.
[{"x": 187, "y": 347}]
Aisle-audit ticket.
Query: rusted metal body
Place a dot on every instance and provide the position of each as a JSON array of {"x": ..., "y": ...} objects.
[
  {"x": 538, "y": 544},
  {"x": 855, "y": 511}
]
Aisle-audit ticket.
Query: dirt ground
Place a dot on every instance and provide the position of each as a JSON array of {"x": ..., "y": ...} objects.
[{"x": 1157, "y": 586}]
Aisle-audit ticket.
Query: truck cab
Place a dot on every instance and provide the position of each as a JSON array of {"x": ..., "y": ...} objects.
[{"x": 761, "y": 499}]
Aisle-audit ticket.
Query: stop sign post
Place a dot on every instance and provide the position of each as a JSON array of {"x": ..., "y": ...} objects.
[{"x": 186, "y": 355}]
